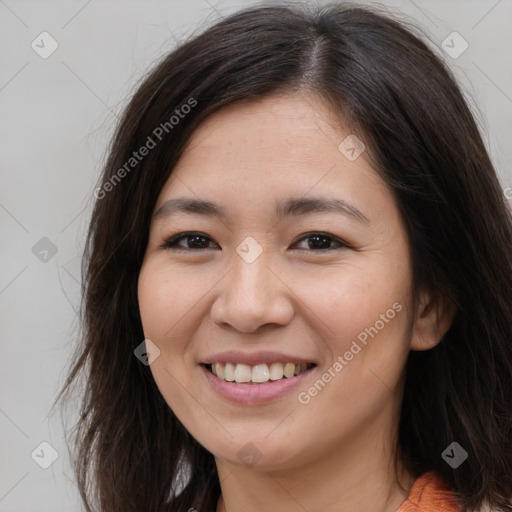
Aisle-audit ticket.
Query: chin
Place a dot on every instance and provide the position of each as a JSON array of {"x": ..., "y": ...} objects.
[{"x": 260, "y": 454}]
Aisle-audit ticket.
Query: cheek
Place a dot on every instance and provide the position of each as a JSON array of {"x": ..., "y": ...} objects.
[
  {"x": 164, "y": 298},
  {"x": 363, "y": 323},
  {"x": 163, "y": 304},
  {"x": 154, "y": 300},
  {"x": 346, "y": 301},
  {"x": 172, "y": 304}
]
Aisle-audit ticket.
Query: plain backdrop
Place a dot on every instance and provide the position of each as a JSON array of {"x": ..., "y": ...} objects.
[{"x": 57, "y": 115}]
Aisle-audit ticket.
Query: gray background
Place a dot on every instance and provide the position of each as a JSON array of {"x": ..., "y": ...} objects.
[{"x": 57, "y": 115}]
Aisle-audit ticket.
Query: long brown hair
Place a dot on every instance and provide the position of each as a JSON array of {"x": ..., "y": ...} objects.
[{"x": 131, "y": 452}]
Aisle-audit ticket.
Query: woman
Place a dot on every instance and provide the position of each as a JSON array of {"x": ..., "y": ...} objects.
[{"x": 297, "y": 281}]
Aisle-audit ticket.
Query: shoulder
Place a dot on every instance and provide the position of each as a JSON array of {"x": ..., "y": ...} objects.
[{"x": 429, "y": 493}]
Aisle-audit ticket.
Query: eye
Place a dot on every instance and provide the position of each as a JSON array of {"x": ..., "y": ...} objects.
[
  {"x": 322, "y": 241},
  {"x": 192, "y": 241}
]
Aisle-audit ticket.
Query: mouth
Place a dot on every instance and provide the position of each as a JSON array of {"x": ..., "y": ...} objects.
[
  {"x": 264, "y": 373},
  {"x": 258, "y": 384}
]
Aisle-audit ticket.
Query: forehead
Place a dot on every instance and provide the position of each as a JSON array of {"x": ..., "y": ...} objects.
[
  {"x": 295, "y": 126},
  {"x": 265, "y": 151}
]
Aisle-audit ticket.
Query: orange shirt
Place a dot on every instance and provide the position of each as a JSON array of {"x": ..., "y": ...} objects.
[{"x": 430, "y": 494}]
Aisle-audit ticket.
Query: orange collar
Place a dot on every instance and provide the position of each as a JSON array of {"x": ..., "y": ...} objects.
[{"x": 429, "y": 493}]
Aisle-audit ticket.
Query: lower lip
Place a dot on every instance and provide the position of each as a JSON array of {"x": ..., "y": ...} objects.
[{"x": 254, "y": 393}]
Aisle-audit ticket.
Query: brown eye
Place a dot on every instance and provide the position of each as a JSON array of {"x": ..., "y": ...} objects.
[
  {"x": 322, "y": 242},
  {"x": 192, "y": 241}
]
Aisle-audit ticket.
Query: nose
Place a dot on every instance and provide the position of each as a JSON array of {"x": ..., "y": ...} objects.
[{"x": 252, "y": 295}]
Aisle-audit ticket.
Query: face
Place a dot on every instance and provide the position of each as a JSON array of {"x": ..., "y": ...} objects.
[{"x": 295, "y": 252}]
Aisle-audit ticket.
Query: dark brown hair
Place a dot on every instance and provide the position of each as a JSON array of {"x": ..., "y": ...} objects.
[{"x": 132, "y": 453}]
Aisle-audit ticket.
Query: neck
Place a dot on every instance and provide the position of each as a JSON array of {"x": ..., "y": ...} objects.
[{"x": 358, "y": 476}]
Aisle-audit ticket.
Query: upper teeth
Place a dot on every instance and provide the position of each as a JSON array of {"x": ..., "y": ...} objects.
[{"x": 257, "y": 373}]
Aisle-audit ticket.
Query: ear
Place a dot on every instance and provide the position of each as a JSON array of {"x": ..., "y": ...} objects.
[{"x": 433, "y": 319}]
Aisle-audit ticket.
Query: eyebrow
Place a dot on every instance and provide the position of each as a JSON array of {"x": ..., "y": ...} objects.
[{"x": 290, "y": 207}]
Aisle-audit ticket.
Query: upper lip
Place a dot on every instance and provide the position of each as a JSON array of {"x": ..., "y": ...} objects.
[{"x": 251, "y": 359}]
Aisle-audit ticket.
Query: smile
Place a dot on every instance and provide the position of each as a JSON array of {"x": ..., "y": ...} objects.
[
  {"x": 272, "y": 381},
  {"x": 257, "y": 374}
]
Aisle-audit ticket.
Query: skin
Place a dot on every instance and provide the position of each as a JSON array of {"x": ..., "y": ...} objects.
[{"x": 336, "y": 452}]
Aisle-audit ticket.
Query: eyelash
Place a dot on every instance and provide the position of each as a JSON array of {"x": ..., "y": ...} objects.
[{"x": 171, "y": 242}]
